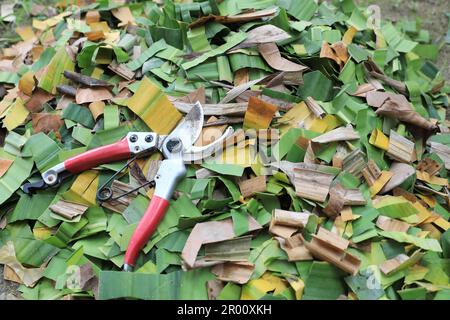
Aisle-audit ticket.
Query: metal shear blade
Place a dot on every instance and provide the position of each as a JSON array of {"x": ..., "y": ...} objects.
[{"x": 188, "y": 131}]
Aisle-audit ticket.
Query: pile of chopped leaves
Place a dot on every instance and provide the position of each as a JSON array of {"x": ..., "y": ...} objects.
[{"x": 336, "y": 186}]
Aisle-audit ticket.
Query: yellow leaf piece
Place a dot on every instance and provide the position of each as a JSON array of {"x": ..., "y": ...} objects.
[
  {"x": 97, "y": 73},
  {"x": 380, "y": 182},
  {"x": 84, "y": 189},
  {"x": 100, "y": 26},
  {"x": 430, "y": 201},
  {"x": 279, "y": 284},
  {"x": 154, "y": 108},
  {"x": 298, "y": 286},
  {"x": 300, "y": 49},
  {"x": 442, "y": 223},
  {"x": 54, "y": 73},
  {"x": 415, "y": 273},
  {"x": 97, "y": 108},
  {"x": 27, "y": 83},
  {"x": 316, "y": 125},
  {"x": 15, "y": 115},
  {"x": 258, "y": 166},
  {"x": 423, "y": 214},
  {"x": 379, "y": 139},
  {"x": 328, "y": 123},
  {"x": 235, "y": 155},
  {"x": 349, "y": 35},
  {"x": 98, "y": 30},
  {"x": 380, "y": 42},
  {"x": 348, "y": 233},
  {"x": 256, "y": 289},
  {"x": 112, "y": 38},
  {"x": 26, "y": 33},
  {"x": 259, "y": 114},
  {"x": 293, "y": 117},
  {"x": 4, "y": 105},
  {"x": 42, "y": 233},
  {"x": 425, "y": 176},
  {"x": 51, "y": 22},
  {"x": 339, "y": 224}
]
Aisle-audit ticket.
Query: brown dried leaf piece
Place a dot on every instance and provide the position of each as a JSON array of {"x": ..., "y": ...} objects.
[
  {"x": 400, "y": 262},
  {"x": 88, "y": 95},
  {"x": 428, "y": 165},
  {"x": 312, "y": 184},
  {"x": 295, "y": 248},
  {"x": 390, "y": 265},
  {"x": 340, "y": 197},
  {"x": 315, "y": 107},
  {"x": 122, "y": 70},
  {"x": 405, "y": 113},
  {"x": 37, "y": 100},
  {"x": 214, "y": 287},
  {"x": 272, "y": 55},
  {"x": 377, "y": 73},
  {"x": 354, "y": 162},
  {"x": 443, "y": 151},
  {"x": 219, "y": 109},
  {"x": 250, "y": 186},
  {"x": 92, "y": 16},
  {"x": 196, "y": 95},
  {"x": 401, "y": 172},
  {"x": 336, "y": 52},
  {"x": 285, "y": 223},
  {"x": 338, "y": 134},
  {"x": 237, "y": 272},
  {"x": 245, "y": 17},
  {"x": 377, "y": 98},
  {"x": 259, "y": 114},
  {"x": 124, "y": 15},
  {"x": 371, "y": 172},
  {"x": 265, "y": 34},
  {"x": 119, "y": 205},
  {"x": 210, "y": 232},
  {"x": 400, "y": 148},
  {"x": 27, "y": 276},
  {"x": 363, "y": 90},
  {"x": 46, "y": 122},
  {"x": 389, "y": 224},
  {"x": 85, "y": 80},
  {"x": 331, "y": 248},
  {"x": 68, "y": 210},
  {"x": 347, "y": 214},
  {"x": 67, "y": 90}
]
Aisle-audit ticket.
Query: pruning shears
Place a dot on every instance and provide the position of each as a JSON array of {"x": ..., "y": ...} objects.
[{"x": 177, "y": 148}]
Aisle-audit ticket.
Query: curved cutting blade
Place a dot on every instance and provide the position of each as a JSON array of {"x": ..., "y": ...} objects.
[{"x": 189, "y": 128}]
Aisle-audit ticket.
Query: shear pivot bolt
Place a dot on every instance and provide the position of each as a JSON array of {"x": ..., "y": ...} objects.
[
  {"x": 174, "y": 145},
  {"x": 133, "y": 138}
]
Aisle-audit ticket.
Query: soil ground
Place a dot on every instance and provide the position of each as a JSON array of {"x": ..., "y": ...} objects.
[{"x": 433, "y": 17}]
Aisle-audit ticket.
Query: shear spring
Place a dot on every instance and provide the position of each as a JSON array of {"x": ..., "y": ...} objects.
[{"x": 105, "y": 193}]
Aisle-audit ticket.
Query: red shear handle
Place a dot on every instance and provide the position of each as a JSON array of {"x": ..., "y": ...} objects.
[
  {"x": 145, "y": 228},
  {"x": 92, "y": 158}
]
